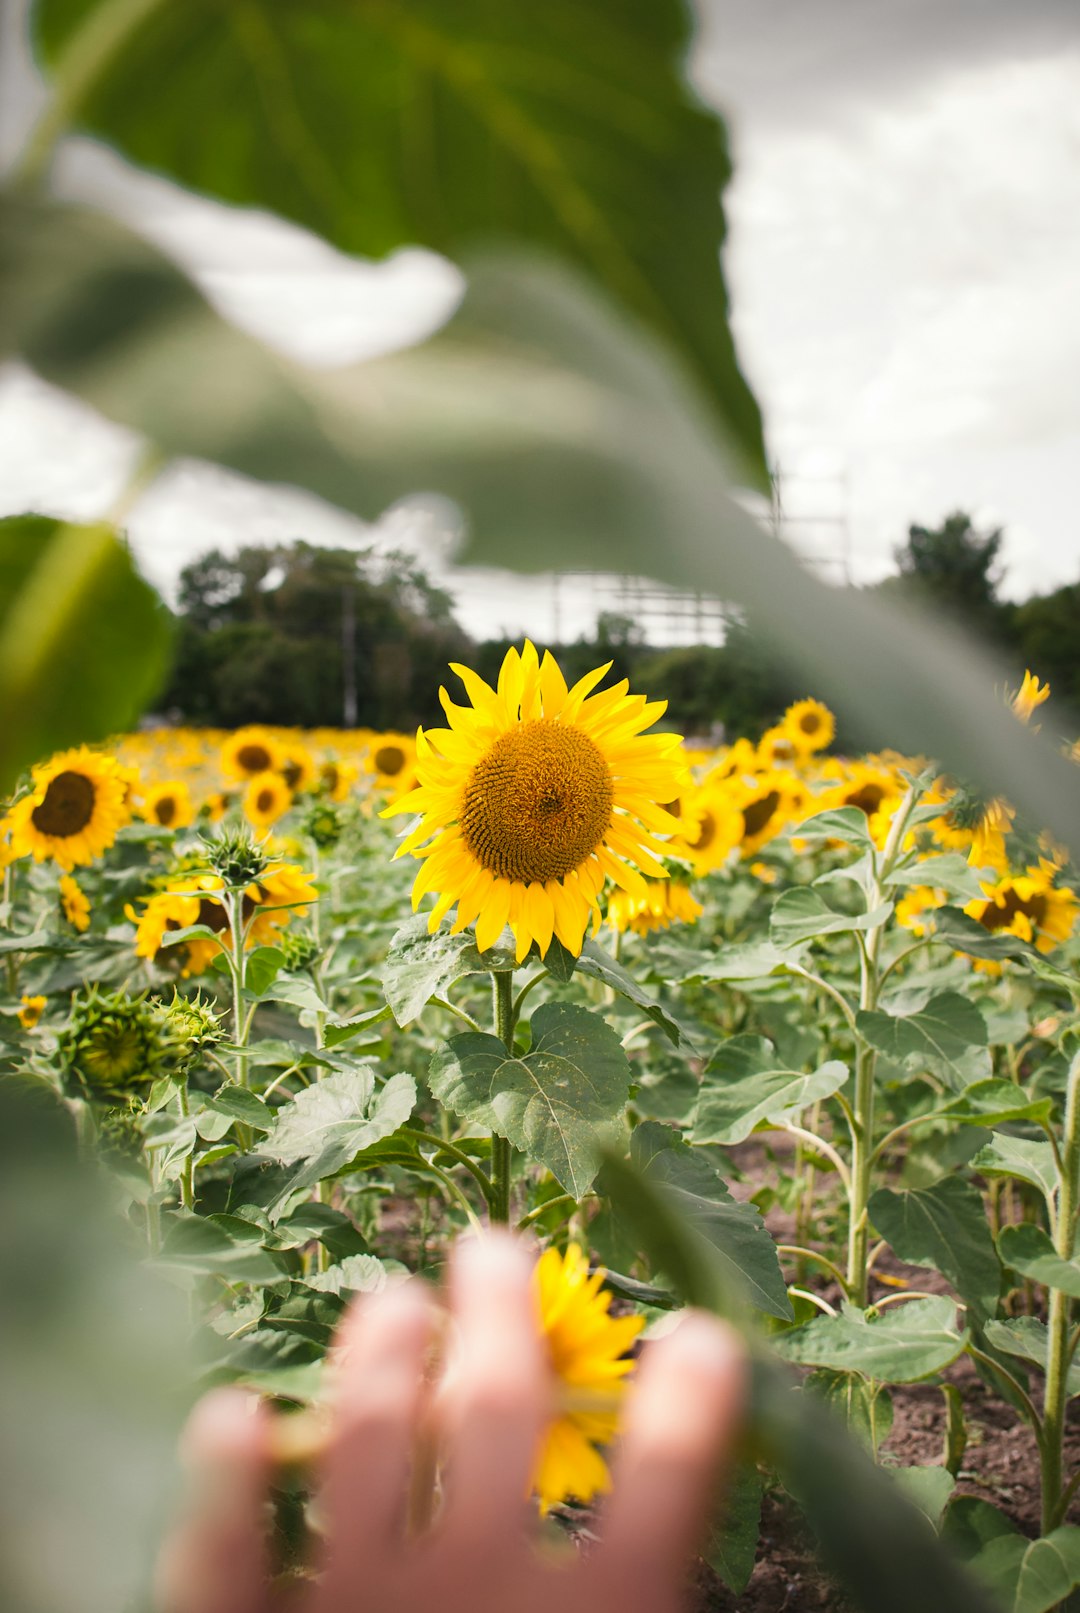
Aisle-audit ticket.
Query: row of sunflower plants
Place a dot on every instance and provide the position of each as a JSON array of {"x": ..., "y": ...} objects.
[{"x": 633, "y": 948}]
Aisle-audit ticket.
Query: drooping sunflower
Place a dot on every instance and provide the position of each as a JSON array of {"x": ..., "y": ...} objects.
[
  {"x": 810, "y": 724},
  {"x": 168, "y": 804},
  {"x": 665, "y": 902},
  {"x": 587, "y": 1347},
  {"x": 533, "y": 797},
  {"x": 73, "y": 811},
  {"x": 266, "y": 799},
  {"x": 75, "y": 903},
  {"x": 250, "y": 751}
]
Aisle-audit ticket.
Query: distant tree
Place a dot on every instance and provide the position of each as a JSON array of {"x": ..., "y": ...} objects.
[
  {"x": 1046, "y": 630},
  {"x": 955, "y": 568}
]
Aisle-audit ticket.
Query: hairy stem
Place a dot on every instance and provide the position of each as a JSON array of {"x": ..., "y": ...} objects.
[
  {"x": 1059, "y": 1353},
  {"x": 502, "y": 994}
]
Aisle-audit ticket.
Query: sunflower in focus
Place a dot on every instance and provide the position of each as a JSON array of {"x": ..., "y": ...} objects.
[
  {"x": 587, "y": 1348},
  {"x": 75, "y": 903},
  {"x": 73, "y": 811},
  {"x": 810, "y": 725},
  {"x": 665, "y": 902},
  {"x": 533, "y": 797},
  {"x": 168, "y": 804},
  {"x": 250, "y": 751},
  {"x": 266, "y": 799}
]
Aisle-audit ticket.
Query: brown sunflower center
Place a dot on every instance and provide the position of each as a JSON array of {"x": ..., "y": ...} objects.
[
  {"x": 265, "y": 800},
  {"x": 292, "y": 773},
  {"x": 165, "y": 810},
  {"x": 757, "y": 813},
  {"x": 538, "y": 803},
  {"x": 254, "y": 758},
  {"x": 810, "y": 722},
  {"x": 706, "y": 832},
  {"x": 999, "y": 918},
  {"x": 868, "y": 798},
  {"x": 389, "y": 759},
  {"x": 67, "y": 806}
]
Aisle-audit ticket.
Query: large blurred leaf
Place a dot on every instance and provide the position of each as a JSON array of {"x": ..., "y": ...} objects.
[
  {"x": 568, "y": 127},
  {"x": 83, "y": 639},
  {"x": 554, "y": 1102},
  {"x": 564, "y": 434}
]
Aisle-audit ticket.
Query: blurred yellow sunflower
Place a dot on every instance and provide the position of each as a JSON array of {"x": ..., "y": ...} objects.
[
  {"x": 297, "y": 766},
  {"x": 282, "y": 892},
  {"x": 392, "y": 759},
  {"x": 1030, "y": 694},
  {"x": 1030, "y": 906},
  {"x": 266, "y": 799},
  {"x": 72, "y": 812},
  {"x": 587, "y": 1348},
  {"x": 710, "y": 827},
  {"x": 30, "y": 1011},
  {"x": 74, "y": 901},
  {"x": 220, "y": 804},
  {"x": 665, "y": 902},
  {"x": 336, "y": 778},
  {"x": 168, "y": 804},
  {"x": 810, "y": 724},
  {"x": 249, "y": 751},
  {"x": 533, "y": 797},
  {"x": 767, "y": 803},
  {"x": 778, "y": 748}
]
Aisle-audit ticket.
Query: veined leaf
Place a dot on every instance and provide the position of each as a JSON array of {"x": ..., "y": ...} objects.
[
  {"x": 938, "y": 1034},
  {"x": 1028, "y": 1250},
  {"x": 329, "y": 1123},
  {"x": 907, "y": 1342},
  {"x": 744, "y": 1084},
  {"x": 1027, "y": 1338},
  {"x": 803, "y": 914},
  {"x": 943, "y": 1227},
  {"x": 420, "y": 966}
]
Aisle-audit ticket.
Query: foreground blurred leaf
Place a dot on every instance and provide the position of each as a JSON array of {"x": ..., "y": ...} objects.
[
  {"x": 1029, "y": 1576},
  {"x": 731, "y": 1548},
  {"x": 568, "y": 127},
  {"x": 565, "y": 435},
  {"x": 83, "y": 639},
  {"x": 871, "y": 1535}
]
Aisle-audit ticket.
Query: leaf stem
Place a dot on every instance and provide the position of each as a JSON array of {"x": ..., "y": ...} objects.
[{"x": 502, "y": 995}]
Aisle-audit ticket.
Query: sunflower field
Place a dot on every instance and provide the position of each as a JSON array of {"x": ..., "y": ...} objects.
[{"x": 323, "y": 1001}]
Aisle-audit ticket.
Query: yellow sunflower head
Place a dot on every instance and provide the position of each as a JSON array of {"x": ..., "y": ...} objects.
[
  {"x": 75, "y": 903},
  {"x": 297, "y": 767},
  {"x": 665, "y": 902},
  {"x": 73, "y": 811},
  {"x": 391, "y": 758},
  {"x": 266, "y": 799},
  {"x": 534, "y": 796},
  {"x": 1030, "y": 694},
  {"x": 810, "y": 725},
  {"x": 1030, "y": 906},
  {"x": 168, "y": 804},
  {"x": 710, "y": 826},
  {"x": 336, "y": 778},
  {"x": 281, "y": 894},
  {"x": 587, "y": 1348},
  {"x": 778, "y": 748},
  {"x": 250, "y": 751},
  {"x": 767, "y": 803},
  {"x": 30, "y": 1011}
]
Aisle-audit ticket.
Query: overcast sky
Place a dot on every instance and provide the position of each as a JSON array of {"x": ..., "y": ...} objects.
[{"x": 904, "y": 259}]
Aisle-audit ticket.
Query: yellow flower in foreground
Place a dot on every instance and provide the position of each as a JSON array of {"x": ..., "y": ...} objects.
[
  {"x": 168, "y": 804},
  {"x": 266, "y": 799},
  {"x": 75, "y": 903},
  {"x": 665, "y": 902},
  {"x": 810, "y": 724},
  {"x": 73, "y": 811},
  {"x": 31, "y": 1011},
  {"x": 587, "y": 1348},
  {"x": 534, "y": 797}
]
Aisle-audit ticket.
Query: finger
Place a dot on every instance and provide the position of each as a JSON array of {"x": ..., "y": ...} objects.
[
  {"x": 680, "y": 1426},
  {"x": 381, "y": 1353},
  {"x": 499, "y": 1393},
  {"x": 216, "y": 1561}
]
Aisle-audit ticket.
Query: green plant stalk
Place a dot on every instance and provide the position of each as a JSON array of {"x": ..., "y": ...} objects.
[
  {"x": 862, "y": 1131},
  {"x": 187, "y": 1173},
  {"x": 1054, "y": 1495},
  {"x": 241, "y": 1021},
  {"x": 502, "y": 996}
]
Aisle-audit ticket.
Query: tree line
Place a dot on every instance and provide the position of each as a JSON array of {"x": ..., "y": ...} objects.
[{"x": 301, "y": 635}]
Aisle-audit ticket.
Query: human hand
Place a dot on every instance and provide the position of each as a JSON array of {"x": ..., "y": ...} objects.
[{"x": 481, "y": 1555}]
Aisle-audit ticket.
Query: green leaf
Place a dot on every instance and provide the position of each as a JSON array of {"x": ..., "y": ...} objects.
[
  {"x": 330, "y": 1122},
  {"x": 937, "y": 1035},
  {"x": 1028, "y": 1339},
  {"x": 803, "y": 914},
  {"x": 357, "y": 1274},
  {"x": 960, "y": 931},
  {"x": 84, "y": 641},
  {"x": 943, "y": 1227},
  {"x": 240, "y": 1104},
  {"x": 743, "y": 1086},
  {"x": 1049, "y": 1570},
  {"x": 616, "y": 166},
  {"x": 420, "y": 966},
  {"x": 929, "y": 1487},
  {"x": 907, "y": 1342},
  {"x": 223, "y": 1247},
  {"x": 1026, "y": 1159},
  {"x": 950, "y": 872},
  {"x": 1027, "y": 1249},
  {"x": 1029, "y": 1576},
  {"x": 742, "y": 1245},
  {"x": 848, "y": 824},
  {"x": 866, "y": 1408},
  {"x": 731, "y": 1548},
  {"x": 750, "y": 960},
  {"x": 598, "y": 965},
  {"x": 262, "y": 968},
  {"x": 312, "y": 1222},
  {"x": 554, "y": 1102},
  {"x": 993, "y": 1103},
  {"x": 345, "y": 1029}
]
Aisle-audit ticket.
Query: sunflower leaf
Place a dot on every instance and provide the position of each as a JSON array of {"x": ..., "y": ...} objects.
[
  {"x": 555, "y": 1103},
  {"x": 599, "y": 965},
  {"x": 327, "y": 1125},
  {"x": 420, "y": 966},
  {"x": 746, "y": 1083},
  {"x": 902, "y": 1345},
  {"x": 803, "y": 914}
]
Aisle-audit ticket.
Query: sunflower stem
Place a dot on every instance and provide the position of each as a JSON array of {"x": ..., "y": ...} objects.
[
  {"x": 1060, "y": 1345},
  {"x": 502, "y": 997}
]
